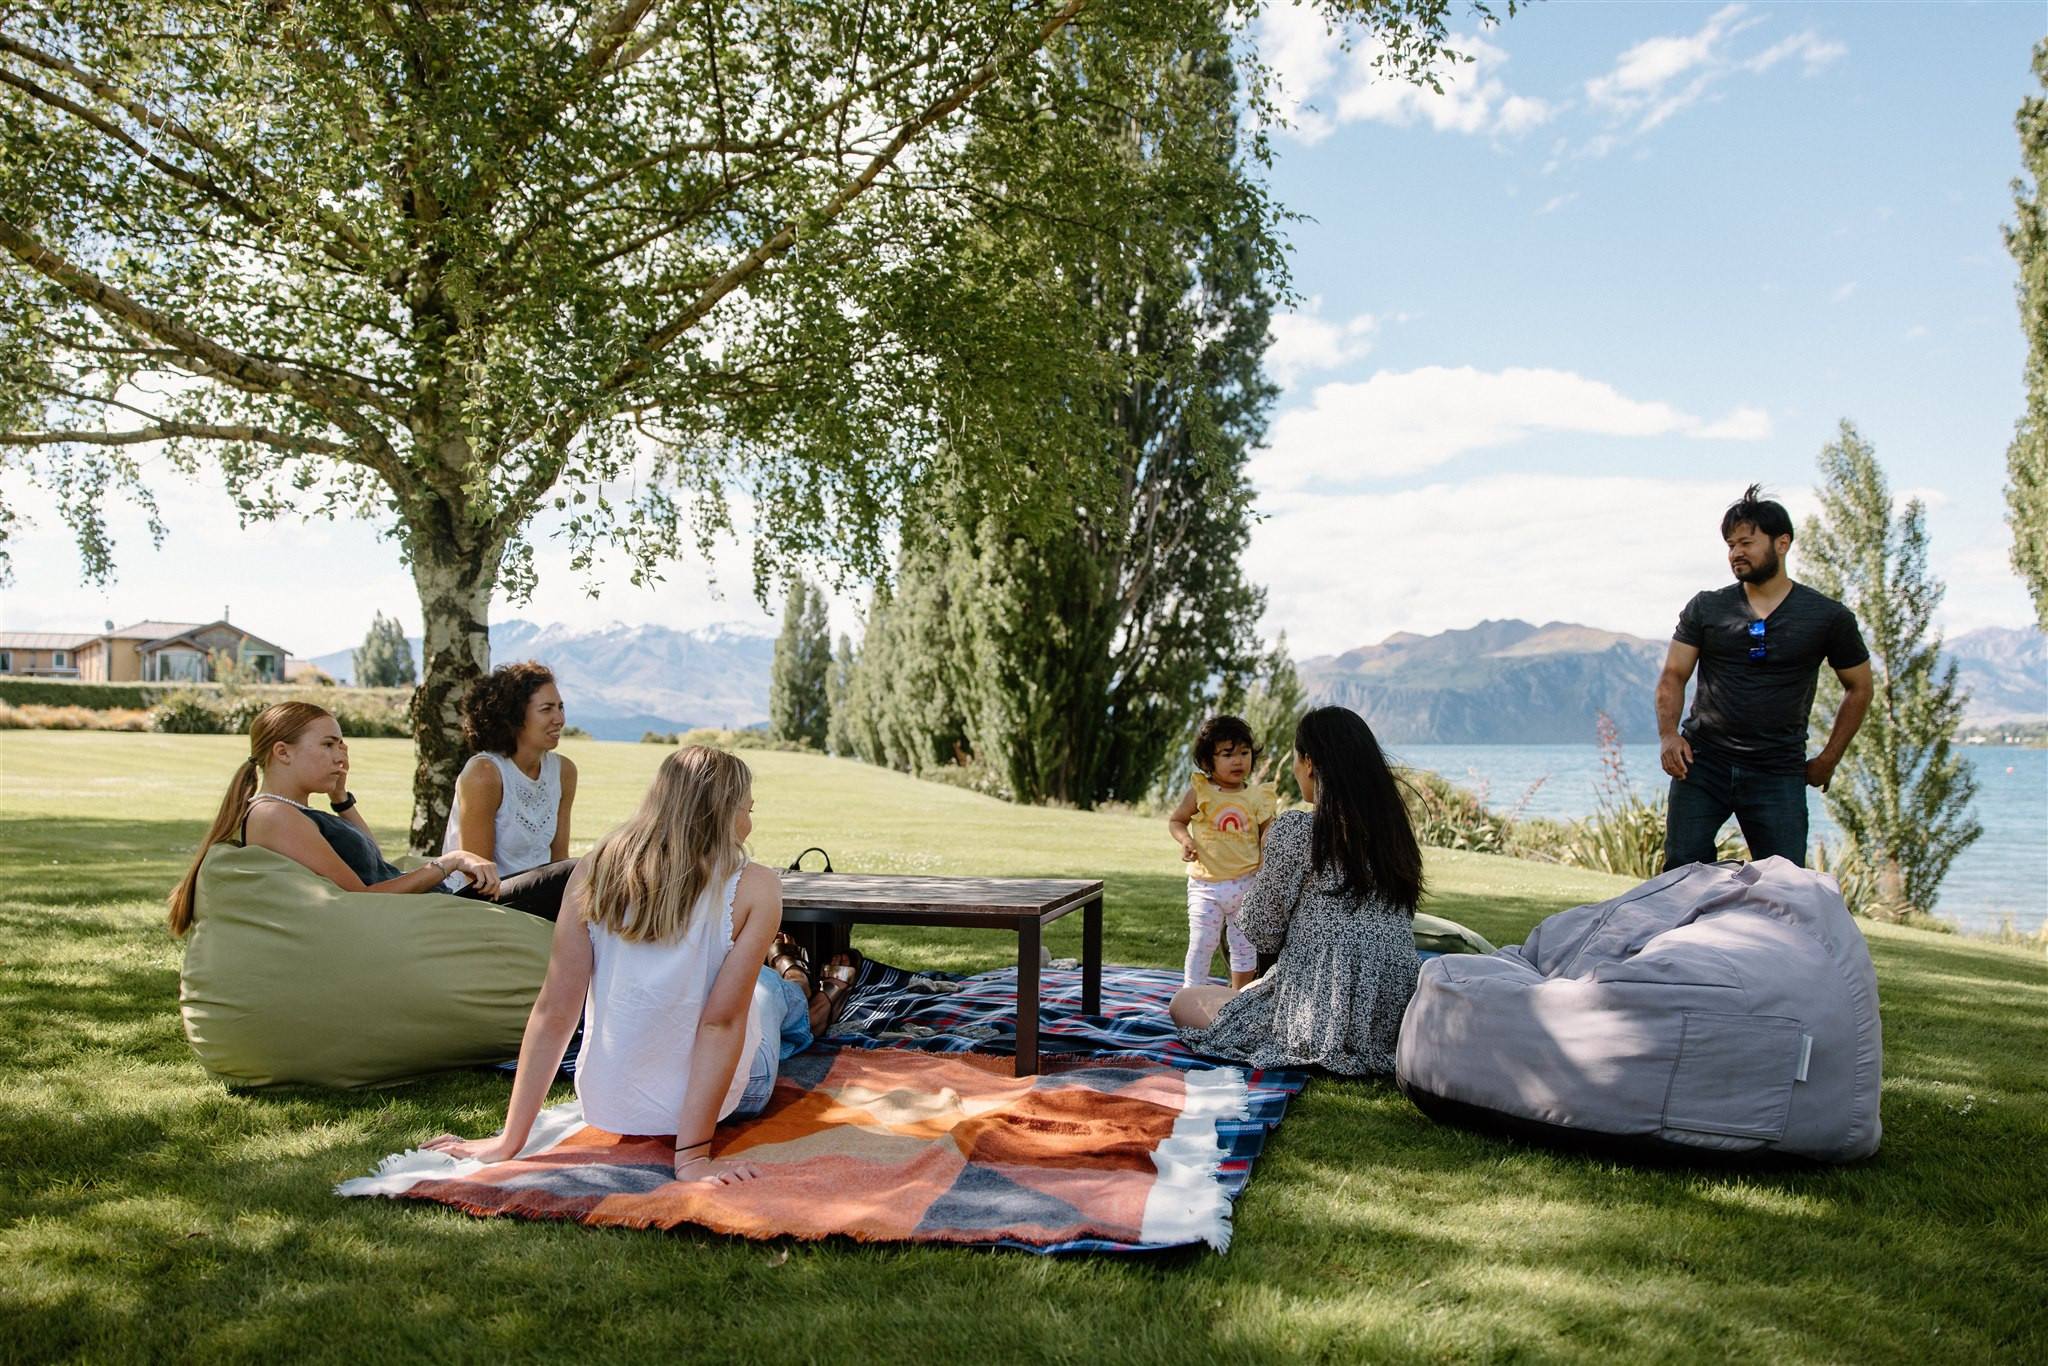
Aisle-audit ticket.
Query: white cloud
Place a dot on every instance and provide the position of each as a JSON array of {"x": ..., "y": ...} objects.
[
  {"x": 1659, "y": 77},
  {"x": 1402, "y": 422},
  {"x": 1557, "y": 201},
  {"x": 1618, "y": 552},
  {"x": 1306, "y": 341},
  {"x": 1322, "y": 85},
  {"x": 1841, "y": 292}
]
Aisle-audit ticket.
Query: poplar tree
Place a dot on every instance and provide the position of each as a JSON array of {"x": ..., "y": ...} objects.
[
  {"x": 385, "y": 659},
  {"x": 1078, "y": 660},
  {"x": 798, "y": 706},
  {"x": 2026, "y": 460},
  {"x": 1902, "y": 793}
]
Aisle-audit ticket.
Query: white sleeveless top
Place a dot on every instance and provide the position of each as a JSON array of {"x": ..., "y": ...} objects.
[
  {"x": 525, "y": 824},
  {"x": 640, "y": 1021}
]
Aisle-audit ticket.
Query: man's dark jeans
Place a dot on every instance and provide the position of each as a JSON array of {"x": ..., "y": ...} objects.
[{"x": 1771, "y": 808}]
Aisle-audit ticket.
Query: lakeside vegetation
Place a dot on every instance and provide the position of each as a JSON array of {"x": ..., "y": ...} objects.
[{"x": 147, "y": 1212}]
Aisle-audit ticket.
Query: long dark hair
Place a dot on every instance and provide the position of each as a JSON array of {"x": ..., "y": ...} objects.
[{"x": 1361, "y": 838}]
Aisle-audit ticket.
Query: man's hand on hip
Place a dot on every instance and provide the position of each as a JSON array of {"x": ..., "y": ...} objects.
[
  {"x": 1677, "y": 756},
  {"x": 1819, "y": 770}
]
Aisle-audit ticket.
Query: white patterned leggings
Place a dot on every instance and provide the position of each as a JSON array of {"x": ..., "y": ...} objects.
[{"x": 1212, "y": 915}]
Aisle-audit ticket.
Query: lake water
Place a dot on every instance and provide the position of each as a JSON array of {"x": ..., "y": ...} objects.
[{"x": 2004, "y": 875}]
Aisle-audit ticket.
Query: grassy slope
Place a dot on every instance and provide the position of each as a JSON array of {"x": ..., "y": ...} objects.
[{"x": 146, "y": 1212}]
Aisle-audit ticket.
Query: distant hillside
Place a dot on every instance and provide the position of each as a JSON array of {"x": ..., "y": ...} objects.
[
  {"x": 1500, "y": 682},
  {"x": 2006, "y": 672},
  {"x": 620, "y": 681},
  {"x": 1507, "y": 682}
]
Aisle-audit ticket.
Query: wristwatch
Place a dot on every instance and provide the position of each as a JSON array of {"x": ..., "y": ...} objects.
[{"x": 348, "y": 800}]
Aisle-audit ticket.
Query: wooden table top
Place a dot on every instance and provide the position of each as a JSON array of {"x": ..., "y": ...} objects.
[{"x": 992, "y": 896}]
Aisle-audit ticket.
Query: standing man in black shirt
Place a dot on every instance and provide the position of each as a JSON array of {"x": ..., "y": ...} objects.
[{"x": 1758, "y": 644}]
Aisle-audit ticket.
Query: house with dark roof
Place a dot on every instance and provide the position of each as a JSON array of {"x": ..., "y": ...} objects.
[{"x": 147, "y": 652}]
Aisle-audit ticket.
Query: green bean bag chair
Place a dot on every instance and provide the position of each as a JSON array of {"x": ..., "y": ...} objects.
[
  {"x": 289, "y": 980},
  {"x": 1434, "y": 934}
]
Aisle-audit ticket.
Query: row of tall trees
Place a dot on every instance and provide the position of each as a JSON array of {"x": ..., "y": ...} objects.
[
  {"x": 1071, "y": 664},
  {"x": 450, "y": 265}
]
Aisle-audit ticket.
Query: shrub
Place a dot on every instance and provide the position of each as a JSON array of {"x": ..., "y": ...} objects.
[
  {"x": 187, "y": 713},
  {"x": 36, "y": 717},
  {"x": 974, "y": 775}
]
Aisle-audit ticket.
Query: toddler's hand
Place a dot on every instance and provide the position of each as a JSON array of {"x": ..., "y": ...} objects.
[{"x": 1188, "y": 854}]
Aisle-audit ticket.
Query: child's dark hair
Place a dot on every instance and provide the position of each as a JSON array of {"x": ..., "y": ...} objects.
[
  {"x": 494, "y": 705},
  {"x": 1753, "y": 509},
  {"x": 1361, "y": 833},
  {"x": 1222, "y": 730}
]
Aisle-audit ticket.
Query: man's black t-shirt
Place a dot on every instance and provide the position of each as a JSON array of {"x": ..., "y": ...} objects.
[{"x": 1752, "y": 710}]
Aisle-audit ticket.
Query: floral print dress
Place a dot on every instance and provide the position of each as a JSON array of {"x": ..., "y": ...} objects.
[{"x": 1347, "y": 968}]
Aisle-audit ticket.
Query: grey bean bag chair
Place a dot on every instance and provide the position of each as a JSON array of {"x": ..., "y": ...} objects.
[
  {"x": 1718, "y": 1009},
  {"x": 288, "y": 980}
]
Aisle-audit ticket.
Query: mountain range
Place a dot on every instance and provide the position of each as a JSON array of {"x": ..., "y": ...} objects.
[
  {"x": 1508, "y": 682},
  {"x": 1500, "y": 682},
  {"x": 620, "y": 681}
]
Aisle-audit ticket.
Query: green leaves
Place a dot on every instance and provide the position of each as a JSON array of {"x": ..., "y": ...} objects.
[{"x": 1902, "y": 794}]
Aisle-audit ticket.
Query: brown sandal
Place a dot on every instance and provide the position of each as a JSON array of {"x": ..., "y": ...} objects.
[
  {"x": 841, "y": 976},
  {"x": 785, "y": 953}
]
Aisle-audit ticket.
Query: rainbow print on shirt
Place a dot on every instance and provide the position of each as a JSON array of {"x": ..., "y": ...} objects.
[{"x": 1232, "y": 818}]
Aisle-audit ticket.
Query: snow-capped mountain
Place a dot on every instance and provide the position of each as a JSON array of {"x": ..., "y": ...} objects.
[{"x": 621, "y": 680}]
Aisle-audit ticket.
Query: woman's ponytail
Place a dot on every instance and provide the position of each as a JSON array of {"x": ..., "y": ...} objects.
[{"x": 281, "y": 723}]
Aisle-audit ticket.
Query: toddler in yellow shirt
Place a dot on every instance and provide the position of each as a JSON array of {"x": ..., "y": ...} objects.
[{"x": 1220, "y": 826}]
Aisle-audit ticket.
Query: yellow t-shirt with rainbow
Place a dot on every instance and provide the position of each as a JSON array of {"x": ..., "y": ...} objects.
[{"x": 1225, "y": 828}]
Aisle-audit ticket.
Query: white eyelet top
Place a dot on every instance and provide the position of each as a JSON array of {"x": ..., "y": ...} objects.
[{"x": 525, "y": 823}]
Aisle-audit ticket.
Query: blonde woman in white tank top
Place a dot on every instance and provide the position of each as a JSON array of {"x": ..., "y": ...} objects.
[
  {"x": 513, "y": 798},
  {"x": 660, "y": 953}
]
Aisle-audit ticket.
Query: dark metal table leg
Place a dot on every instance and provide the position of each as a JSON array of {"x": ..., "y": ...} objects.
[
  {"x": 1027, "y": 996},
  {"x": 1091, "y": 958}
]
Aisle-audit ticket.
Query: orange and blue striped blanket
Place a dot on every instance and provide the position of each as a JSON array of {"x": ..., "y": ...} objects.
[{"x": 1107, "y": 1150}]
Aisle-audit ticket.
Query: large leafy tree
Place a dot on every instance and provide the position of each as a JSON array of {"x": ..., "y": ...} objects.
[
  {"x": 1081, "y": 657},
  {"x": 1902, "y": 794},
  {"x": 449, "y": 263},
  {"x": 2027, "y": 458}
]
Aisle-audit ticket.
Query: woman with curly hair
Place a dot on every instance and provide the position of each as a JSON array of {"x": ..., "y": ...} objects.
[{"x": 513, "y": 797}]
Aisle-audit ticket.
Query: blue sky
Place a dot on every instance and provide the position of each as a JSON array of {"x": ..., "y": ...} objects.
[{"x": 1636, "y": 256}]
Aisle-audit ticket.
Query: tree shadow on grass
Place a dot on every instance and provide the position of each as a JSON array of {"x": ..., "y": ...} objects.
[{"x": 92, "y": 861}]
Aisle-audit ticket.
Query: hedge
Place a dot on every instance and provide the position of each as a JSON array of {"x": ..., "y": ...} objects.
[{"x": 65, "y": 692}]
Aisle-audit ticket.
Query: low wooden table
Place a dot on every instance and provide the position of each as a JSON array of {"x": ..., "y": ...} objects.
[{"x": 836, "y": 902}]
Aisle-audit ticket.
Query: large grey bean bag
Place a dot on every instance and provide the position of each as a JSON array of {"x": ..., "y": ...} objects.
[{"x": 1725, "y": 1009}]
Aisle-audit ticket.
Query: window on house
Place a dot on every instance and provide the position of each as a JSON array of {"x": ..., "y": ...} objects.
[
  {"x": 60, "y": 659},
  {"x": 6, "y": 661}
]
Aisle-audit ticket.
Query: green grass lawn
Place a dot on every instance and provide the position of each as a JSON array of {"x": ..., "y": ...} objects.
[{"x": 147, "y": 1213}]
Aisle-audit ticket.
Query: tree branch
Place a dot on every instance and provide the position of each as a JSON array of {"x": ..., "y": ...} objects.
[
  {"x": 167, "y": 431},
  {"x": 151, "y": 118},
  {"x": 742, "y": 270},
  {"x": 244, "y": 371}
]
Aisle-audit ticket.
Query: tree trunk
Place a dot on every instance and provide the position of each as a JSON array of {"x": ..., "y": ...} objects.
[{"x": 455, "y": 567}]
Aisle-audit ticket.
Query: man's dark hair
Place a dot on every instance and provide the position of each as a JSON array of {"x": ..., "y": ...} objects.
[
  {"x": 1219, "y": 730},
  {"x": 494, "y": 706},
  {"x": 1753, "y": 509}
]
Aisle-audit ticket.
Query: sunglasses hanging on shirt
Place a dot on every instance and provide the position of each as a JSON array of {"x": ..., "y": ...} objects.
[{"x": 1756, "y": 640}]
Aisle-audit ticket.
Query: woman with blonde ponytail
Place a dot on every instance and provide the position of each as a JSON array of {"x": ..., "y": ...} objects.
[
  {"x": 296, "y": 753},
  {"x": 659, "y": 946}
]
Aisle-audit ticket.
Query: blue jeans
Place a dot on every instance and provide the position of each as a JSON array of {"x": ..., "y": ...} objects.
[
  {"x": 1771, "y": 808},
  {"x": 795, "y": 1036}
]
